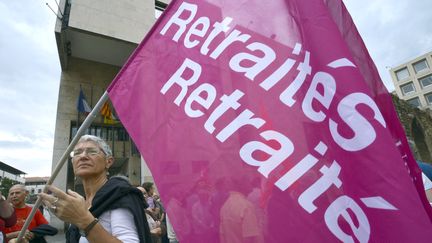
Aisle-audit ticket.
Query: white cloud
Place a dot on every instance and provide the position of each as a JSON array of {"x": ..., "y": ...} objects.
[
  {"x": 393, "y": 31},
  {"x": 29, "y": 85},
  {"x": 29, "y": 154}
]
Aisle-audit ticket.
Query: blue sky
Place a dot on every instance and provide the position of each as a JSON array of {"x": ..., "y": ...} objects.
[{"x": 394, "y": 32}]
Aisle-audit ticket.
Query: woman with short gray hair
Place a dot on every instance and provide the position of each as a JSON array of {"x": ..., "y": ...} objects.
[{"x": 112, "y": 209}]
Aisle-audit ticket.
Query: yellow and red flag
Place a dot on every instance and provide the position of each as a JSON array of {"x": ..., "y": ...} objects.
[{"x": 107, "y": 114}]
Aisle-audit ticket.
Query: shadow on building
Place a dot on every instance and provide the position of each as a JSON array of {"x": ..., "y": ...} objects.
[{"x": 417, "y": 124}]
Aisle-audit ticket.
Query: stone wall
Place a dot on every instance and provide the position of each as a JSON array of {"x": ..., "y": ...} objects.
[{"x": 418, "y": 128}]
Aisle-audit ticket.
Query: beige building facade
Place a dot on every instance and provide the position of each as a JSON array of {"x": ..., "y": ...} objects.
[
  {"x": 413, "y": 81},
  {"x": 94, "y": 39},
  {"x": 35, "y": 185}
]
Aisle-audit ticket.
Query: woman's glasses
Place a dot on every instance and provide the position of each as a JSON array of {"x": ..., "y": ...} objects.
[{"x": 91, "y": 151}]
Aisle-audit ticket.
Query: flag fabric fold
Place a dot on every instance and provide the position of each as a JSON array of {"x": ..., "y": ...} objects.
[
  {"x": 82, "y": 105},
  {"x": 267, "y": 121}
]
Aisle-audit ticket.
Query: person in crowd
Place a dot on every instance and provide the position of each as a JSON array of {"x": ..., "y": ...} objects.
[
  {"x": 172, "y": 237},
  {"x": 152, "y": 210},
  {"x": 204, "y": 224},
  {"x": 155, "y": 229},
  {"x": 144, "y": 193},
  {"x": 154, "y": 225},
  {"x": 238, "y": 219},
  {"x": 112, "y": 209},
  {"x": 7, "y": 215},
  {"x": 17, "y": 196},
  {"x": 162, "y": 217},
  {"x": 159, "y": 207},
  {"x": 180, "y": 216}
]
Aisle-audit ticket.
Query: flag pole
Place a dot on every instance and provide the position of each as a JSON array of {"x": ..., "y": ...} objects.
[
  {"x": 78, "y": 118},
  {"x": 85, "y": 125}
]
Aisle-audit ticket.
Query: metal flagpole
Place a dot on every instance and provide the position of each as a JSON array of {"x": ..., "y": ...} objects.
[
  {"x": 78, "y": 118},
  {"x": 85, "y": 125}
]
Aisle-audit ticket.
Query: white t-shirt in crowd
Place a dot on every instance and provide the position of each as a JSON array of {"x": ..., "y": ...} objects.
[{"x": 119, "y": 223}]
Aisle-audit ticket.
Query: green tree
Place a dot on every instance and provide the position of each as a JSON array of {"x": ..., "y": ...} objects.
[{"x": 5, "y": 185}]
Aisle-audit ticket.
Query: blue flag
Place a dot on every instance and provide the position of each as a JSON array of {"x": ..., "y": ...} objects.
[{"x": 82, "y": 105}]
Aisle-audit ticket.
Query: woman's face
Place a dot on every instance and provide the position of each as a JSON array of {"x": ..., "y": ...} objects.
[{"x": 89, "y": 160}]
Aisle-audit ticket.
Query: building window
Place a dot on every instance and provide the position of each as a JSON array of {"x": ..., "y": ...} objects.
[
  {"x": 426, "y": 81},
  {"x": 402, "y": 74},
  {"x": 414, "y": 102},
  {"x": 428, "y": 98},
  {"x": 407, "y": 88},
  {"x": 421, "y": 66},
  {"x": 159, "y": 8},
  {"x": 106, "y": 132}
]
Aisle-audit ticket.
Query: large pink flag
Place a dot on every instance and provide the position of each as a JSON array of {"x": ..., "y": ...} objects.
[{"x": 266, "y": 121}]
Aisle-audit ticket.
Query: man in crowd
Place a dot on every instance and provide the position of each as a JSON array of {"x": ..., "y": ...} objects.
[{"x": 17, "y": 196}]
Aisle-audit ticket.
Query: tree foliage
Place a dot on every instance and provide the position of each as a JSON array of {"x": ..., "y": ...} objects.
[{"x": 5, "y": 185}]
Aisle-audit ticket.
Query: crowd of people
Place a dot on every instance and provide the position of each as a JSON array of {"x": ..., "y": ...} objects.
[{"x": 112, "y": 210}]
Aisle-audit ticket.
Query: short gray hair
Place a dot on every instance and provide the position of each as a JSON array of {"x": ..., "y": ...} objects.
[
  {"x": 21, "y": 186},
  {"x": 99, "y": 141}
]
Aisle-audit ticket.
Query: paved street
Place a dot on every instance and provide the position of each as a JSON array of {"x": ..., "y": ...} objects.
[{"x": 59, "y": 238}]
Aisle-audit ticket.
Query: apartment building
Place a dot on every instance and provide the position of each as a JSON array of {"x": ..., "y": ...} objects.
[{"x": 413, "y": 81}]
